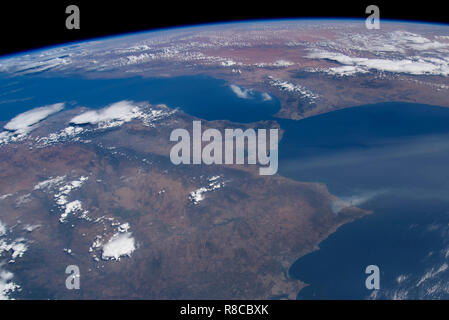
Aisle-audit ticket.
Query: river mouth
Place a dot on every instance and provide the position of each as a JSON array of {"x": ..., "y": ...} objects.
[{"x": 392, "y": 159}]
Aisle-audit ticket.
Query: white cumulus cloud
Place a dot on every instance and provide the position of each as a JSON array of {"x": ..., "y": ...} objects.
[
  {"x": 25, "y": 121},
  {"x": 241, "y": 92},
  {"x": 266, "y": 96},
  {"x": 122, "y": 111},
  {"x": 121, "y": 244},
  {"x": 2, "y": 229},
  {"x": 6, "y": 285},
  {"x": 415, "y": 65}
]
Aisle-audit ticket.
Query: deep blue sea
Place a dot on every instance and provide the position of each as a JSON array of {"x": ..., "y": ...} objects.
[
  {"x": 391, "y": 158},
  {"x": 201, "y": 96}
]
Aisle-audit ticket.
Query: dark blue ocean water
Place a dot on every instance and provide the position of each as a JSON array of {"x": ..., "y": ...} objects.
[
  {"x": 201, "y": 96},
  {"x": 391, "y": 158}
]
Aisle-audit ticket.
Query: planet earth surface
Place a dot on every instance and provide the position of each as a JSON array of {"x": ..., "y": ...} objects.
[{"x": 86, "y": 178}]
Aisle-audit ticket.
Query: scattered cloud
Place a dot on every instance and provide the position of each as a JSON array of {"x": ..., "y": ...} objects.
[
  {"x": 2, "y": 229},
  {"x": 278, "y": 63},
  {"x": 121, "y": 111},
  {"x": 345, "y": 70},
  {"x": 121, "y": 244},
  {"x": 228, "y": 63},
  {"x": 266, "y": 96},
  {"x": 432, "y": 273},
  {"x": 3, "y": 197},
  {"x": 197, "y": 195},
  {"x": 24, "y": 122},
  {"x": 297, "y": 89},
  {"x": 241, "y": 92},
  {"x": 49, "y": 183},
  {"x": 61, "y": 196},
  {"x": 14, "y": 249},
  {"x": 6, "y": 285},
  {"x": 415, "y": 65},
  {"x": 17, "y": 248}
]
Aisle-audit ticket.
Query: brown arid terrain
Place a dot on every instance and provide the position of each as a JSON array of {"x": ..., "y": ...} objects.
[{"x": 237, "y": 242}]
